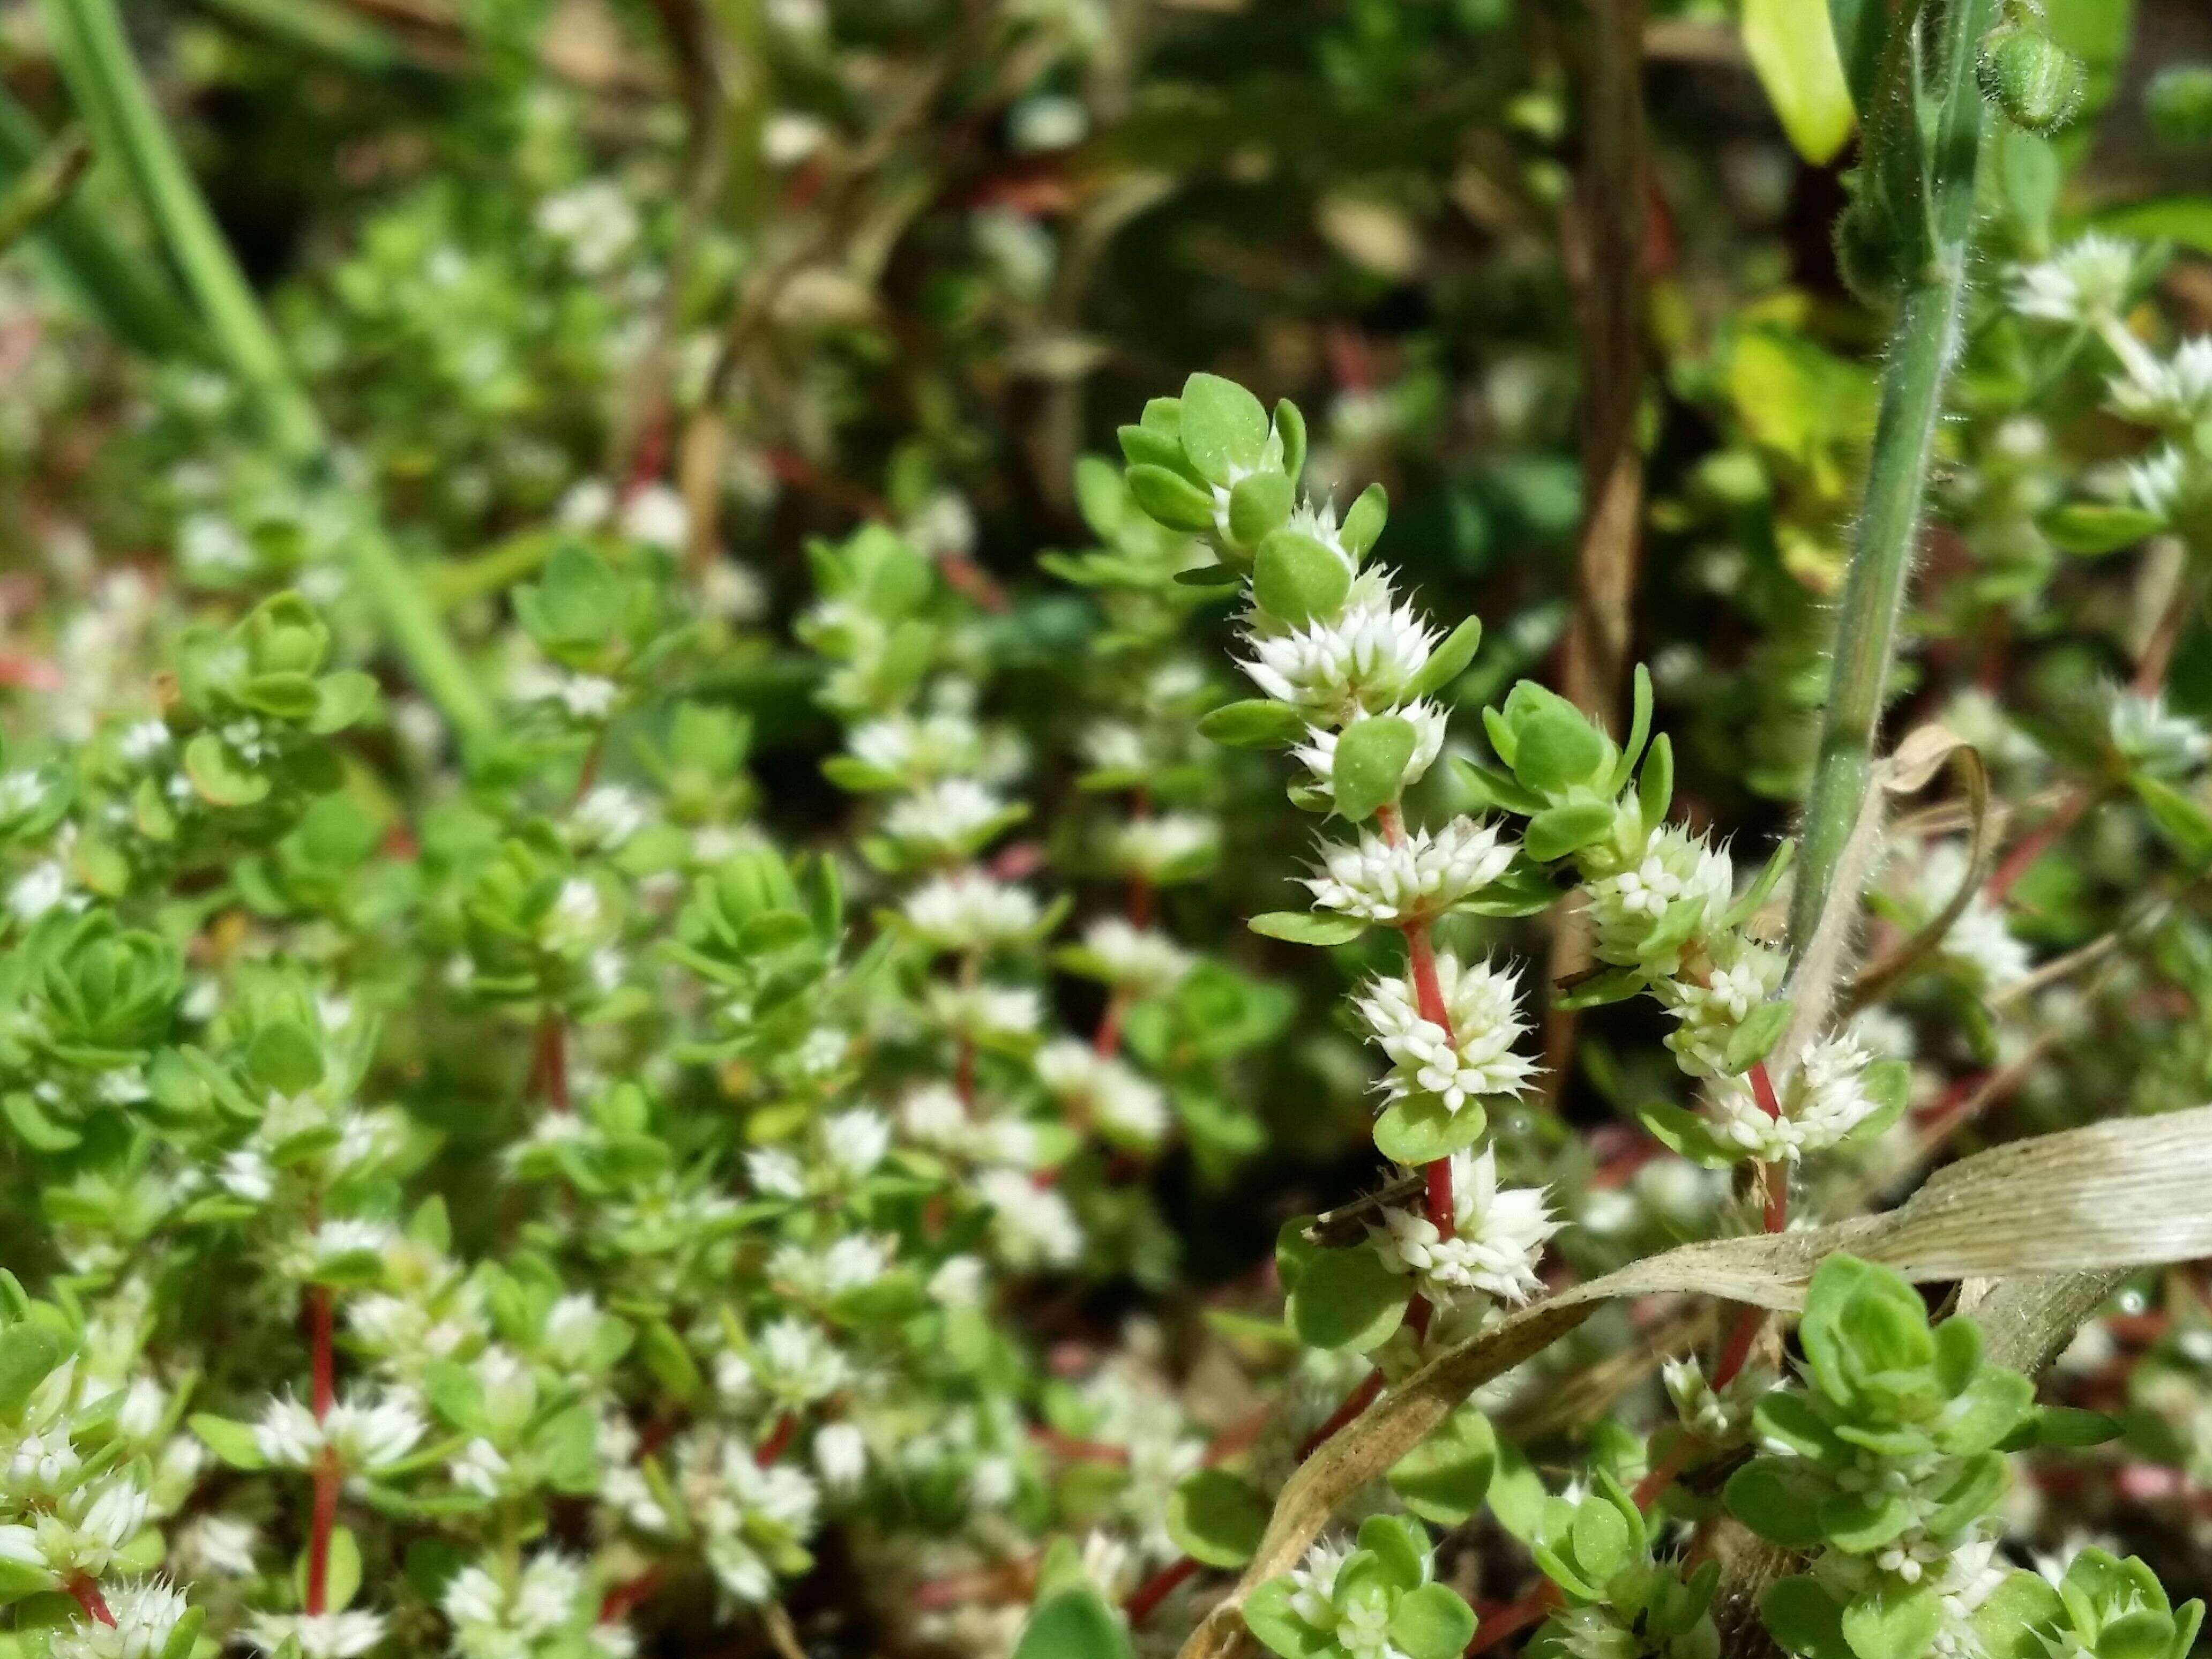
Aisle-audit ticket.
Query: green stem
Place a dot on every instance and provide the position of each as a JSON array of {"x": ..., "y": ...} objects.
[
  {"x": 116, "y": 100},
  {"x": 132, "y": 298},
  {"x": 1922, "y": 350}
]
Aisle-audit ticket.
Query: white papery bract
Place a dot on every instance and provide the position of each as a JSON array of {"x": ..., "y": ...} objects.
[
  {"x": 1164, "y": 845},
  {"x": 1711, "y": 1007},
  {"x": 1141, "y": 961},
  {"x": 2173, "y": 392},
  {"x": 947, "y": 819},
  {"x": 2084, "y": 282},
  {"x": 1979, "y": 943},
  {"x": 1676, "y": 868},
  {"x": 968, "y": 910},
  {"x": 366, "y": 1431},
  {"x": 1498, "y": 1236},
  {"x": 146, "y": 1611},
  {"x": 1094, "y": 1089},
  {"x": 1421, "y": 875},
  {"x": 1362, "y": 659},
  {"x": 1823, "y": 1100},
  {"x": 1033, "y": 1227},
  {"x": 2153, "y": 738},
  {"x": 321, "y": 1636},
  {"x": 1475, "y": 1058},
  {"x": 1318, "y": 752}
]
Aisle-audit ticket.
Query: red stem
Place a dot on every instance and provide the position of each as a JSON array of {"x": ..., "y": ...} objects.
[
  {"x": 2032, "y": 845},
  {"x": 1354, "y": 1403},
  {"x": 617, "y": 1602},
  {"x": 779, "y": 1439},
  {"x": 1156, "y": 1590},
  {"x": 1429, "y": 999},
  {"x": 87, "y": 1592}
]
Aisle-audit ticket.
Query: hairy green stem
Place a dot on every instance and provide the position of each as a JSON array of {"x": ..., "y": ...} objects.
[
  {"x": 1922, "y": 349},
  {"x": 116, "y": 101}
]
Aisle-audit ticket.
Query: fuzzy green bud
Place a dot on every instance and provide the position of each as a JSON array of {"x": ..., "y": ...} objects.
[{"x": 2034, "y": 80}]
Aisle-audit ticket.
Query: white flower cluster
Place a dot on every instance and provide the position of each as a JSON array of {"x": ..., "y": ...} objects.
[
  {"x": 1498, "y": 1236},
  {"x": 1822, "y": 1101},
  {"x": 1473, "y": 1057},
  {"x": 1104, "y": 1093},
  {"x": 1413, "y": 878}
]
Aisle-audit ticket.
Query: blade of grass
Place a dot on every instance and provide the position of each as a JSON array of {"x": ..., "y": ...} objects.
[
  {"x": 116, "y": 100},
  {"x": 133, "y": 301}
]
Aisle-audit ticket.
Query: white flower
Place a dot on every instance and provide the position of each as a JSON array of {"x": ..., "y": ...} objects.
[
  {"x": 2084, "y": 282},
  {"x": 1033, "y": 1224},
  {"x": 852, "y": 1261},
  {"x": 2150, "y": 738},
  {"x": 321, "y": 1636},
  {"x": 934, "y": 1115},
  {"x": 146, "y": 1612},
  {"x": 970, "y": 911},
  {"x": 2158, "y": 481},
  {"x": 1979, "y": 941},
  {"x": 1473, "y": 1058},
  {"x": 1710, "y": 1009},
  {"x": 794, "y": 1362},
  {"x": 656, "y": 515},
  {"x": 1822, "y": 1102},
  {"x": 1114, "y": 746},
  {"x": 840, "y": 1456},
  {"x": 1164, "y": 845},
  {"x": 2177, "y": 392},
  {"x": 218, "y": 1544},
  {"x": 1361, "y": 659},
  {"x": 1142, "y": 961},
  {"x": 594, "y": 221},
  {"x": 1677, "y": 867},
  {"x": 1094, "y": 1090},
  {"x": 948, "y": 819},
  {"x": 1498, "y": 1236},
  {"x": 585, "y": 697},
  {"x": 775, "y": 1173},
  {"x": 958, "y": 1282},
  {"x": 1719, "y": 1416},
  {"x": 481, "y": 1468},
  {"x": 854, "y": 1141},
  {"x": 1420, "y": 876},
  {"x": 144, "y": 741},
  {"x": 1312, "y": 1582},
  {"x": 1318, "y": 752},
  {"x": 38, "y": 890},
  {"x": 917, "y": 748},
  {"x": 987, "y": 1009},
  {"x": 609, "y": 816},
  {"x": 367, "y": 1432}
]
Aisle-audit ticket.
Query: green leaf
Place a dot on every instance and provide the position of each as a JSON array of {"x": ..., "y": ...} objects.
[
  {"x": 1804, "y": 1618},
  {"x": 2184, "y": 219},
  {"x": 1170, "y": 498},
  {"x": 1224, "y": 427},
  {"x": 1257, "y": 507},
  {"x": 30, "y": 1121},
  {"x": 1431, "y": 1622},
  {"x": 1255, "y": 723},
  {"x": 1363, "y": 521},
  {"x": 2011, "y": 1620},
  {"x": 1556, "y": 749},
  {"x": 342, "y": 700},
  {"x": 28, "y": 1354},
  {"x": 1217, "y": 1518},
  {"x": 1348, "y": 1299},
  {"x": 1267, "y": 1615},
  {"x": 1421, "y": 1128},
  {"x": 1601, "y": 1541},
  {"x": 1371, "y": 758},
  {"x": 231, "y": 1442},
  {"x": 221, "y": 779},
  {"x": 1076, "y": 1624},
  {"x": 1445, "y": 1477},
  {"x": 1558, "y": 830},
  {"x": 1307, "y": 927},
  {"x": 2092, "y": 528},
  {"x": 1754, "y": 1038},
  {"x": 1447, "y": 661},
  {"x": 2185, "y": 826},
  {"x": 1775, "y": 1501},
  {"x": 285, "y": 1058},
  {"x": 1793, "y": 51},
  {"x": 1893, "y": 1620},
  {"x": 1298, "y": 578}
]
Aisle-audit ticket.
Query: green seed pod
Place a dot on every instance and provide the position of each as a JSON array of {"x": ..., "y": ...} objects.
[
  {"x": 2179, "y": 104},
  {"x": 2034, "y": 80}
]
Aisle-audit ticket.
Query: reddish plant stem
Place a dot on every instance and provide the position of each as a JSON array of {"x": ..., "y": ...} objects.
[
  {"x": 1148, "y": 1595},
  {"x": 1654, "y": 1484},
  {"x": 1107, "y": 1040},
  {"x": 2038, "y": 841},
  {"x": 87, "y": 1592},
  {"x": 1085, "y": 1451},
  {"x": 1496, "y": 1624},
  {"x": 1354, "y": 1403},
  {"x": 779, "y": 1439},
  {"x": 549, "y": 1065},
  {"x": 619, "y": 1601}
]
